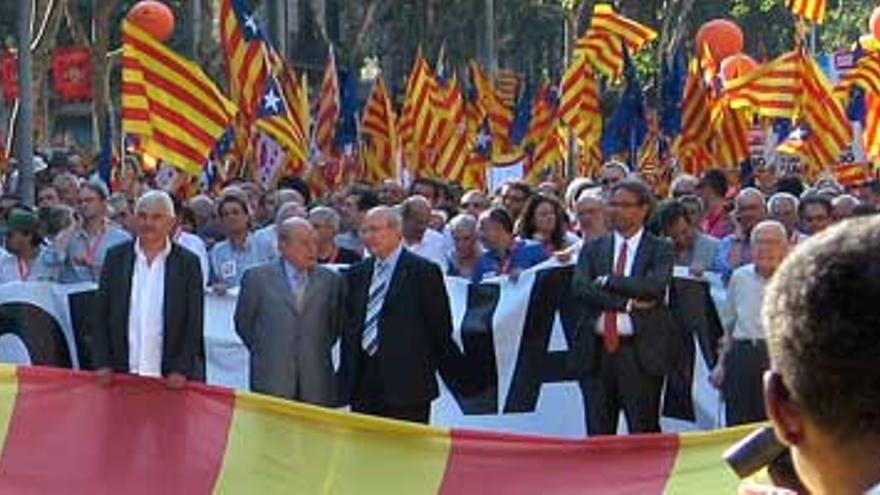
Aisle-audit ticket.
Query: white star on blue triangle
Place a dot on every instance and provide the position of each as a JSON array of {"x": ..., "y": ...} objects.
[
  {"x": 272, "y": 105},
  {"x": 249, "y": 26}
]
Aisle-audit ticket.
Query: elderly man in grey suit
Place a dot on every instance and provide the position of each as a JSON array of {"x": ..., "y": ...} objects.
[{"x": 289, "y": 315}]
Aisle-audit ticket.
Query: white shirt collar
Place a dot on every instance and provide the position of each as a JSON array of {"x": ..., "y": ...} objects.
[
  {"x": 139, "y": 252},
  {"x": 632, "y": 242}
]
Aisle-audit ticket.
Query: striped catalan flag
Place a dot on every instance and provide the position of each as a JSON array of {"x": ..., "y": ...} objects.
[
  {"x": 546, "y": 136},
  {"x": 826, "y": 117},
  {"x": 499, "y": 114},
  {"x": 327, "y": 107},
  {"x": 866, "y": 75},
  {"x": 799, "y": 143},
  {"x": 276, "y": 119},
  {"x": 176, "y": 111},
  {"x": 417, "y": 118},
  {"x": 379, "y": 129},
  {"x": 480, "y": 157},
  {"x": 579, "y": 102},
  {"x": 692, "y": 146},
  {"x": 811, "y": 10},
  {"x": 244, "y": 50},
  {"x": 871, "y": 133},
  {"x": 303, "y": 115},
  {"x": 508, "y": 82},
  {"x": 590, "y": 159},
  {"x": 291, "y": 90},
  {"x": 773, "y": 90},
  {"x": 603, "y": 42},
  {"x": 137, "y": 435},
  {"x": 731, "y": 143},
  {"x": 454, "y": 142}
]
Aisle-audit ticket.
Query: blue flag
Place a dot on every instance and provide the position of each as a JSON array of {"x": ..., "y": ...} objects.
[
  {"x": 347, "y": 130},
  {"x": 522, "y": 117},
  {"x": 671, "y": 92},
  {"x": 627, "y": 127},
  {"x": 856, "y": 110}
]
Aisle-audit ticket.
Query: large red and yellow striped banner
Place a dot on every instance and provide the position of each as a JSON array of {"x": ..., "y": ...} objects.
[
  {"x": 63, "y": 433},
  {"x": 866, "y": 75},
  {"x": 175, "y": 109}
]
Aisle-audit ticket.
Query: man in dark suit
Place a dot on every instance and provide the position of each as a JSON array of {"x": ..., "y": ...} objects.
[
  {"x": 289, "y": 314},
  {"x": 149, "y": 306},
  {"x": 621, "y": 278},
  {"x": 400, "y": 330}
]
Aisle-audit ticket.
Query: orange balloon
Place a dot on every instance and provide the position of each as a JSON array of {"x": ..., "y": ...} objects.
[
  {"x": 736, "y": 66},
  {"x": 723, "y": 38},
  {"x": 153, "y": 17},
  {"x": 875, "y": 23}
]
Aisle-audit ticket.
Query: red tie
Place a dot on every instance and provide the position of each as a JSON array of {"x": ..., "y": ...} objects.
[{"x": 609, "y": 335}]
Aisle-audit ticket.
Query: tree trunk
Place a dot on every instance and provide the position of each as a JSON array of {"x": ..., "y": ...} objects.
[
  {"x": 42, "y": 50},
  {"x": 101, "y": 74}
]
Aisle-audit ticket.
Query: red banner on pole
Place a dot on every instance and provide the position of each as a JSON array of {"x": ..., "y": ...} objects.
[{"x": 72, "y": 73}]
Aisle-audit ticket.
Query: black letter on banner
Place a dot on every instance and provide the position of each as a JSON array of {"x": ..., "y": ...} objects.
[
  {"x": 82, "y": 316},
  {"x": 39, "y": 330},
  {"x": 480, "y": 372},
  {"x": 535, "y": 364}
]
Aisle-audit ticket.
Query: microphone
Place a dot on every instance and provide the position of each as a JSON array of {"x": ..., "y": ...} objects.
[{"x": 754, "y": 452}]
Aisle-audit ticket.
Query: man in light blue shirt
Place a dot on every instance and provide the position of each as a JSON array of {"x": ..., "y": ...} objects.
[
  {"x": 241, "y": 250},
  {"x": 78, "y": 251}
]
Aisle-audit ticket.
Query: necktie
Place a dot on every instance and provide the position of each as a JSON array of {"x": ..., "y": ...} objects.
[
  {"x": 375, "y": 298},
  {"x": 299, "y": 291},
  {"x": 609, "y": 334}
]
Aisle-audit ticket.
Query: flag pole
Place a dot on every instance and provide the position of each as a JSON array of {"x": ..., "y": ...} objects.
[
  {"x": 570, "y": 166},
  {"x": 491, "y": 58}
]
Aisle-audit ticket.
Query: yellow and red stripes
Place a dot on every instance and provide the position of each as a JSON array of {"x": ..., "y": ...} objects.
[
  {"x": 811, "y": 10},
  {"x": 170, "y": 103},
  {"x": 62, "y": 433}
]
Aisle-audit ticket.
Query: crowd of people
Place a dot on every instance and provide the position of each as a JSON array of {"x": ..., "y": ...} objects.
[{"x": 626, "y": 236}]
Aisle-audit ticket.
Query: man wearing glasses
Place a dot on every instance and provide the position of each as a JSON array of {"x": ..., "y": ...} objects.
[
  {"x": 473, "y": 203},
  {"x": 621, "y": 281},
  {"x": 514, "y": 195}
]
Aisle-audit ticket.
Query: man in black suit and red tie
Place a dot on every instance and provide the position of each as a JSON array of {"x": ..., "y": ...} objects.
[
  {"x": 622, "y": 278},
  {"x": 400, "y": 331}
]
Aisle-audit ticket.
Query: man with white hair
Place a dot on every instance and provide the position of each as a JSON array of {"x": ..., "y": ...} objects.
[
  {"x": 400, "y": 330},
  {"x": 149, "y": 306},
  {"x": 289, "y": 315},
  {"x": 783, "y": 207},
  {"x": 743, "y": 359}
]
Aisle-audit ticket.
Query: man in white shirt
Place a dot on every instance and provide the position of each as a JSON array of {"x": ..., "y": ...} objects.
[
  {"x": 743, "y": 360},
  {"x": 418, "y": 238},
  {"x": 149, "y": 305}
]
